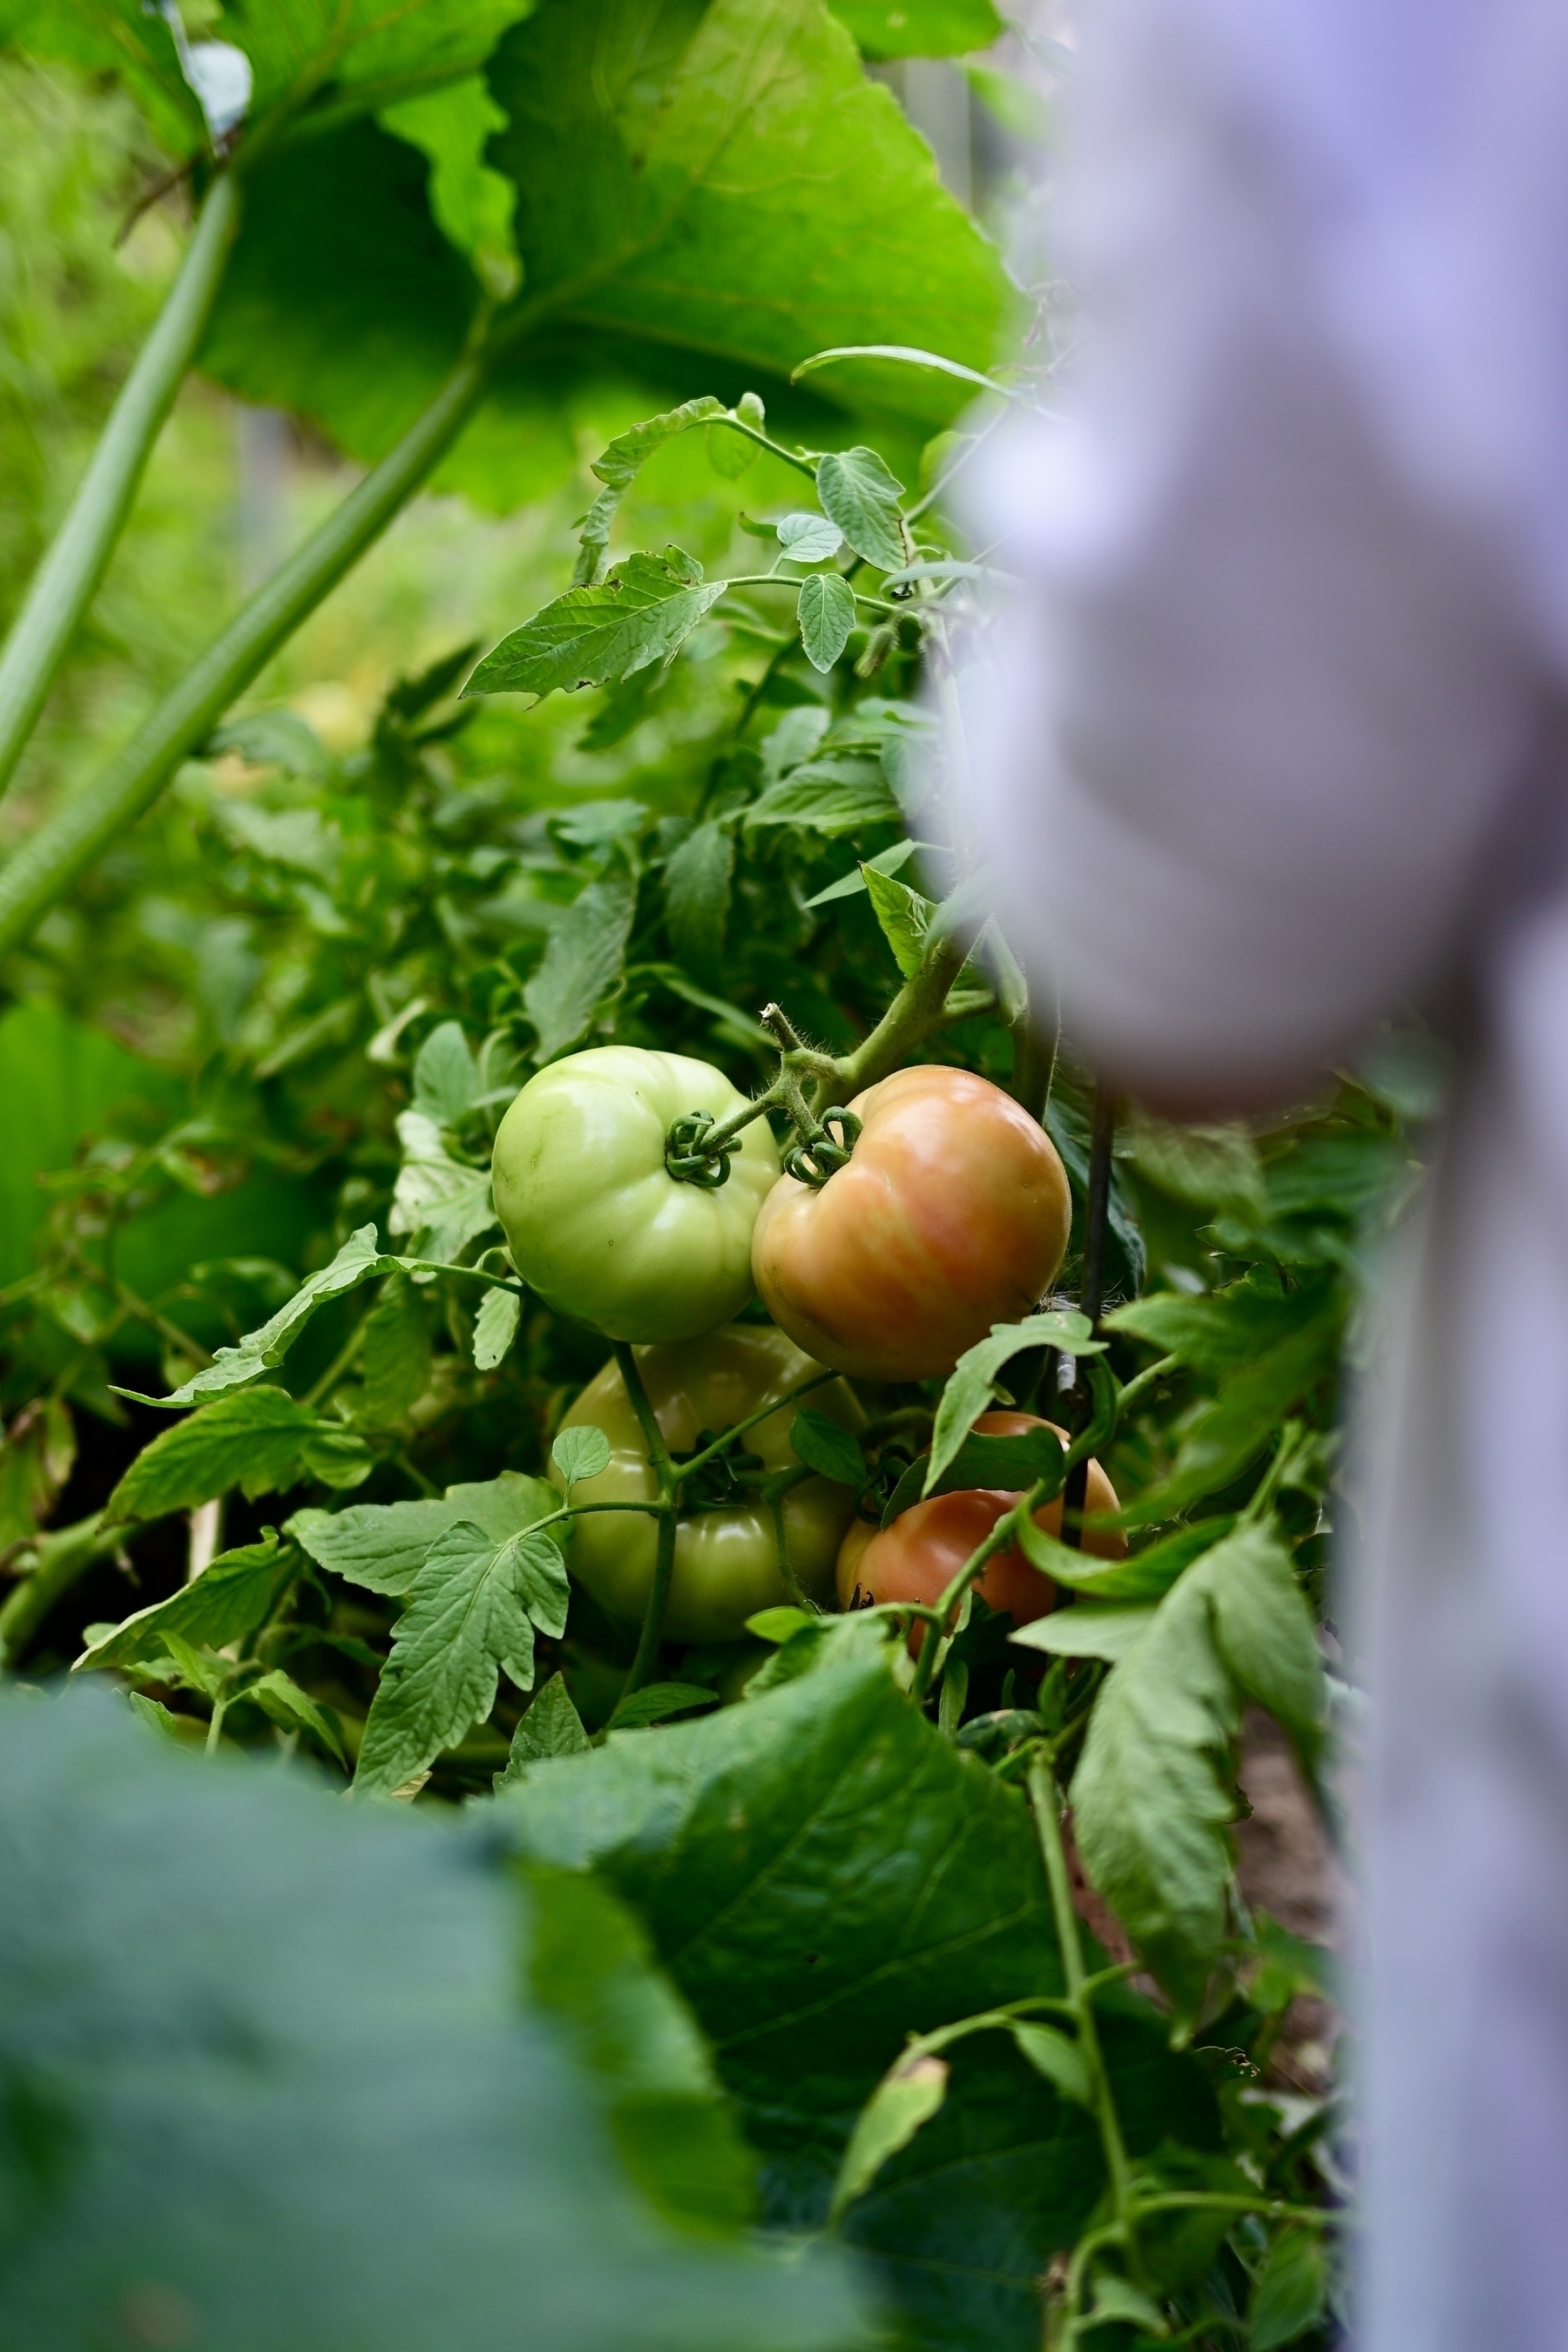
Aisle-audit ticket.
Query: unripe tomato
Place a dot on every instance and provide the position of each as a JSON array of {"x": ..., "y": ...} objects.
[
  {"x": 726, "y": 1557},
  {"x": 952, "y": 1214},
  {"x": 918, "y": 1557},
  {"x": 594, "y": 1222}
]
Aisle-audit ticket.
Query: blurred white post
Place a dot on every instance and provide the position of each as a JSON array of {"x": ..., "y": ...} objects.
[{"x": 261, "y": 437}]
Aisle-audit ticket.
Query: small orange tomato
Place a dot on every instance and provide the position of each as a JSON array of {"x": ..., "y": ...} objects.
[
  {"x": 952, "y": 1214},
  {"x": 918, "y": 1557}
]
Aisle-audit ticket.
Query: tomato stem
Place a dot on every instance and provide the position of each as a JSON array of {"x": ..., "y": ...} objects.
[
  {"x": 1096, "y": 1215},
  {"x": 664, "y": 1471}
]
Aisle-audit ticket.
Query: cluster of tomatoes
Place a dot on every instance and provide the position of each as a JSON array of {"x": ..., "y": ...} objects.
[{"x": 950, "y": 1214}]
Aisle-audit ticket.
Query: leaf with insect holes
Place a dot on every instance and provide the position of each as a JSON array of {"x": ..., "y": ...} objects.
[
  {"x": 495, "y": 1327},
  {"x": 361, "y": 1259},
  {"x": 551, "y": 1727},
  {"x": 279, "y": 1697},
  {"x": 258, "y": 1441},
  {"x": 826, "y": 1448},
  {"x": 809, "y": 537},
  {"x": 383, "y": 1545},
  {"x": 472, "y": 1612},
  {"x": 583, "y": 963},
  {"x": 1151, "y": 1796},
  {"x": 233, "y": 1593},
  {"x": 826, "y": 615},
  {"x": 972, "y": 1378},
  {"x": 697, "y": 884},
  {"x": 581, "y": 1453},
  {"x": 861, "y": 494},
  {"x": 395, "y": 1356},
  {"x": 642, "y": 611},
  {"x": 904, "y": 916},
  {"x": 902, "y": 2101},
  {"x": 446, "y": 1081}
]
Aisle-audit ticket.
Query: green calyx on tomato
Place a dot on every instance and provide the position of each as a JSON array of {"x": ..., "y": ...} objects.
[
  {"x": 918, "y": 1557},
  {"x": 952, "y": 1214},
  {"x": 726, "y": 1545},
  {"x": 596, "y": 1222}
]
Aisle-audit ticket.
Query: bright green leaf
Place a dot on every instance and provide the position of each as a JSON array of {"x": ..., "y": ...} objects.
[
  {"x": 1056, "y": 2056},
  {"x": 551, "y": 1727},
  {"x": 383, "y": 1545},
  {"x": 441, "y": 1203},
  {"x": 696, "y": 883},
  {"x": 825, "y": 615},
  {"x": 825, "y": 1446},
  {"x": 832, "y": 795},
  {"x": 861, "y": 494},
  {"x": 809, "y": 539},
  {"x": 642, "y": 611},
  {"x": 258, "y": 1441},
  {"x": 971, "y": 1380},
  {"x": 583, "y": 963},
  {"x": 618, "y": 467},
  {"x": 903, "y": 915},
  {"x": 281, "y": 1697},
  {"x": 446, "y": 1082},
  {"x": 359, "y": 1260},
  {"x": 1087, "y": 1632},
  {"x": 233, "y": 1595},
  {"x": 495, "y": 1327},
  {"x": 581, "y": 1453},
  {"x": 920, "y": 28}
]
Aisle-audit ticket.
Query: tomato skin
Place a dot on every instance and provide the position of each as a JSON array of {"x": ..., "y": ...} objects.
[
  {"x": 952, "y": 1214},
  {"x": 918, "y": 1557},
  {"x": 726, "y": 1560},
  {"x": 594, "y": 1222}
]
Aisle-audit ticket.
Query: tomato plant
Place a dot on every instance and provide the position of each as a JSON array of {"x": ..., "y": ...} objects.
[{"x": 386, "y": 1406}]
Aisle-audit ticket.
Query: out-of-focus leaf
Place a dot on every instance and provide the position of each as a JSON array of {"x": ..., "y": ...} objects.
[
  {"x": 233, "y": 1595},
  {"x": 258, "y": 1441},
  {"x": 1224, "y": 1329},
  {"x": 36, "y": 1455},
  {"x": 657, "y": 1702},
  {"x": 1288, "y": 2299},
  {"x": 271, "y": 738},
  {"x": 920, "y": 29},
  {"x": 352, "y": 2131},
  {"x": 395, "y": 1356},
  {"x": 1207, "y": 1167},
  {"x": 383, "y": 1545},
  {"x": 446, "y": 1082},
  {"x": 696, "y": 882},
  {"x": 472, "y": 205},
  {"x": 583, "y": 963},
  {"x": 280, "y": 1699},
  {"x": 906, "y": 2097},
  {"x": 833, "y": 796}
]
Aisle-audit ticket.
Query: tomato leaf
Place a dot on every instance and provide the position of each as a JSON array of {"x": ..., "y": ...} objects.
[
  {"x": 279, "y": 1697},
  {"x": 825, "y": 614},
  {"x": 1056, "y": 2056},
  {"x": 860, "y": 493},
  {"x": 903, "y": 915},
  {"x": 851, "y": 885},
  {"x": 472, "y": 1609},
  {"x": 1226, "y": 1433},
  {"x": 906, "y": 2097},
  {"x": 233, "y": 1593},
  {"x": 1087, "y": 1632},
  {"x": 444, "y": 1203},
  {"x": 1146, "y": 1576},
  {"x": 359, "y": 1260},
  {"x": 495, "y": 1327},
  {"x": 446, "y": 1081},
  {"x": 551, "y": 1727},
  {"x": 395, "y": 1356},
  {"x": 697, "y": 881},
  {"x": 835, "y": 794},
  {"x": 642, "y": 611},
  {"x": 582, "y": 1452},
  {"x": 827, "y": 1447},
  {"x": 258, "y": 1441},
  {"x": 972, "y": 1378},
  {"x": 619, "y": 467},
  {"x": 383, "y": 1545},
  {"x": 656, "y": 1701},
  {"x": 1290, "y": 2290},
  {"x": 583, "y": 963},
  {"x": 1151, "y": 1795},
  {"x": 809, "y": 539}
]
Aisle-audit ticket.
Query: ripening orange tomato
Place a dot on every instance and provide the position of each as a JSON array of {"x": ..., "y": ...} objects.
[
  {"x": 952, "y": 1214},
  {"x": 918, "y": 1557}
]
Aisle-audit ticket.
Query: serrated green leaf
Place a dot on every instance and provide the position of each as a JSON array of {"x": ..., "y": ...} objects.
[
  {"x": 809, "y": 539},
  {"x": 825, "y": 615},
  {"x": 281, "y": 1697},
  {"x": 972, "y": 1378},
  {"x": 233, "y": 1595},
  {"x": 471, "y": 1610},
  {"x": 619, "y": 464},
  {"x": 657, "y": 1702},
  {"x": 446, "y": 1081},
  {"x": 583, "y": 963},
  {"x": 1086, "y": 1631},
  {"x": 1151, "y": 1795},
  {"x": 1290, "y": 2290},
  {"x": 853, "y": 884},
  {"x": 642, "y": 611},
  {"x": 903, "y": 915},
  {"x": 395, "y": 1356},
  {"x": 902, "y": 2101},
  {"x": 860, "y": 493},
  {"x": 258, "y": 1441},
  {"x": 1224, "y": 1328},
  {"x": 383, "y": 1545},
  {"x": 551, "y": 1727},
  {"x": 825, "y": 1446},
  {"x": 581, "y": 1453},
  {"x": 697, "y": 880},
  {"x": 359, "y": 1260},
  {"x": 1056, "y": 2056},
  {"x": 495, "y": 1327},
  {"x": 443, "y": 1202},
  {"x": 833, "y": 796}
]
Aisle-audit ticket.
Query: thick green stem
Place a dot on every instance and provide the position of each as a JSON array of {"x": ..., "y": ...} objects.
[
  {"x": 45, "y": 867},
  {"x": 62, "y": 1557},
  {"x": 64, "y": 583},
  {"x": 913, "y": 1013}
]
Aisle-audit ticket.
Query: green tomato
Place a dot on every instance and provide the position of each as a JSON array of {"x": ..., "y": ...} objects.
[
  {"x": 594, "y": 1222},
  {"x": 726, "y": 1556}
]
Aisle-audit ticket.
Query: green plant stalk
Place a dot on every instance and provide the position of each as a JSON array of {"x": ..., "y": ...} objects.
[
  {"x": 1045, "y": 1800},
  {"x": 61, "y": 851},
  {"x": 652, "y": 1634},
  {"x": 62, "y": 1556},
  {"x": 64, "y": 584}
]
